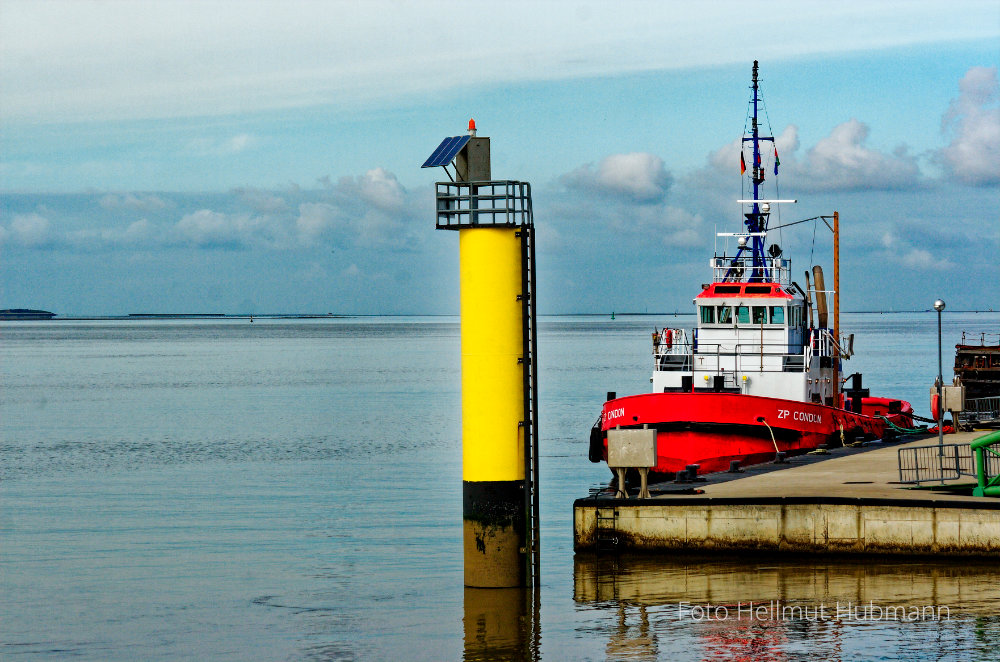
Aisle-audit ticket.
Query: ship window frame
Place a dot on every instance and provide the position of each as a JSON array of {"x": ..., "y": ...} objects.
[
  {"x": 742, "y": 314},
  {"x": 795, "y": 316},
  {"x": 724, "y": 311},
  {"x": 781, "y": 315},
  {"x": 706, "y": 314},
  {"x": 758, "y": 314}
]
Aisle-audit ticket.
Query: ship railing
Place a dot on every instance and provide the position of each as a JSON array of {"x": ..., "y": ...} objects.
[
  {"x": 673, "y": 352},
  {"x": 738, "y": 359},
  {"x": 821, "y": 343},
  {"x": 477, "y": 204},
  {"x": 738, "y": 269},
  {"x": 757, "y": 358},
  {"x": 980, "y": 410},
  {"x": 985, "y": 339},
  {"x": 671, "y": 341},
  {"x": 769, "y": 357}
]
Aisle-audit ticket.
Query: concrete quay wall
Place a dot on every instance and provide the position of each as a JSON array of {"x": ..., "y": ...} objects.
[{"x": 839, "y": 526}]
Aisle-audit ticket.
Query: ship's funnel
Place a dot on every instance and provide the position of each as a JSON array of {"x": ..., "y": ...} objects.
[{"x": 821, "y": 312}]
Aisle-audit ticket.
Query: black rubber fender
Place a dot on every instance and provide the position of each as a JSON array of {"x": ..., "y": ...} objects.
[{"x": 596, "y": 453}]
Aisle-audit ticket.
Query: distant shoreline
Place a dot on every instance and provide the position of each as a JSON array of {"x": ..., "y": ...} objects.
[{"x": 226, "y": 316}]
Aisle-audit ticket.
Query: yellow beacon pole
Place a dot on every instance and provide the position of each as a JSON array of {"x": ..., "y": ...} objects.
[{"x": 499, "y": 393}]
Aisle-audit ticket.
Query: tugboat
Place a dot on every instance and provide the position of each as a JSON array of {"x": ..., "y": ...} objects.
[{"x": 756, "y": 380}]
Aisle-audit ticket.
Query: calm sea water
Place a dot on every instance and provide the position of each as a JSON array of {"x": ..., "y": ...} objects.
[{"x": 215, "y": 489}]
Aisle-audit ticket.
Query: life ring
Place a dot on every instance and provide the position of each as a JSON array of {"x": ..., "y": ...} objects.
[
  {"x": 668, "y": 338},
  {"x": 936, "y": 406}
]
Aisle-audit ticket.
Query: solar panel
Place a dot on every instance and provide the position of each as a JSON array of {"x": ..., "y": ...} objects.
[{"x": 446, "y": 151}]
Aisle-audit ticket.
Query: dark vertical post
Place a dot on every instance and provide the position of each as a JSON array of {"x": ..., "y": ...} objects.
[
  {"x": 939, "y": 306},
  {"x": 836, "y": 308}
]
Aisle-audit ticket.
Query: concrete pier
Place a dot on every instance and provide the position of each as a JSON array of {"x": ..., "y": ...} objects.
[{"x": 849, "y": 503}]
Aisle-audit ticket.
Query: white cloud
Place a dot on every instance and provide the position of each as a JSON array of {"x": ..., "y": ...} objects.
[
  {"x": 639, "y": 176},
  {"x": 920, "y": 258},
  {"x": 900, "y": 252},
  {"x": 726, "y": 159},
  {"x": 841, "y": 161},
  {"x": 838, "y": 162},
  {"x": 314, "y": 219},
  {"x": 624, "y": 195},
  {"x": 261, "y": 201},
  {"x": 206, "y": 227},
  {"x": 973, "y": 121},
  {"x": 378, "y": 186},
  {"x": 382, "y": 189},
  {"x": 29, "y": 230},
  {"x": 209, "y": 229},
  {"x": 681, "y": 227},
  {"x": 137, "y": 234},
  {"x": 221, "y": 146},
  {"x": 372, "y": 210},
  {"x": 36, "y": 231},
  {"x": 238, "y": 143},
  {"x": 369, "y": 210},
  {"x": 132, "y": 202},
  {"x": 378, "y": 228}
]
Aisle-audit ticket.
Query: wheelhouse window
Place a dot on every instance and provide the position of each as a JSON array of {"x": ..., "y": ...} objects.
[
  {"x": 707, "y": 314},
  {"x": 742, "y": 314},
  {"x": 759, "y": 314},
  {"x": 777, "y": 314},
  {"x": 725, "y": 314}
]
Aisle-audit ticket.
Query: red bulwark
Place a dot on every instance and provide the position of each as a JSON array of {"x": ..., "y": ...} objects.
[{"x": 712, "y": 429}]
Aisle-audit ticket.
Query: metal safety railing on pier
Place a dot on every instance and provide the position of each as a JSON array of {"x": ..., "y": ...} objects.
[{"x": 942, "y": 462}]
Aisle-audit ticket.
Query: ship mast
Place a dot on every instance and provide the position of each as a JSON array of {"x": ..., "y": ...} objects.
[
  {"x": 754, "y": 267},
  {"x": 756, "y": 218}
]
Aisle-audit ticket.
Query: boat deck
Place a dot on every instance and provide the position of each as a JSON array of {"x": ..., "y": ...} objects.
[{"x": 850, "y": 501}]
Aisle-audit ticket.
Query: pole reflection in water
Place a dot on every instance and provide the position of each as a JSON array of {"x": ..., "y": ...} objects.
[
  {"x": 632, "y": 639},
  {"x": 502, "y": 624},
  {"x": 782, "y": 609}
]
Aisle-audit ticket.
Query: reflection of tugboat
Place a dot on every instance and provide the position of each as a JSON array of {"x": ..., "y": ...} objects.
[{"x": 756, "y": 377}]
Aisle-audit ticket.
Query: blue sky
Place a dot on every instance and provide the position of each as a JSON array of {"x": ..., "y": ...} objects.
[{"x": 264, "y": 157}]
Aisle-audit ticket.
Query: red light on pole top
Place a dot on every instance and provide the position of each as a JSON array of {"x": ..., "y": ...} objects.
[{"x": 472, "y": 126}]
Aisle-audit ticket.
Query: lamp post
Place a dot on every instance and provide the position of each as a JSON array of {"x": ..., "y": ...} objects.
[{"x": 939, "y": 306}]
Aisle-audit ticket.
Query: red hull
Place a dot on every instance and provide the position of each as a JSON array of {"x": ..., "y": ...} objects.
[{"x": 713, "y": 429}]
